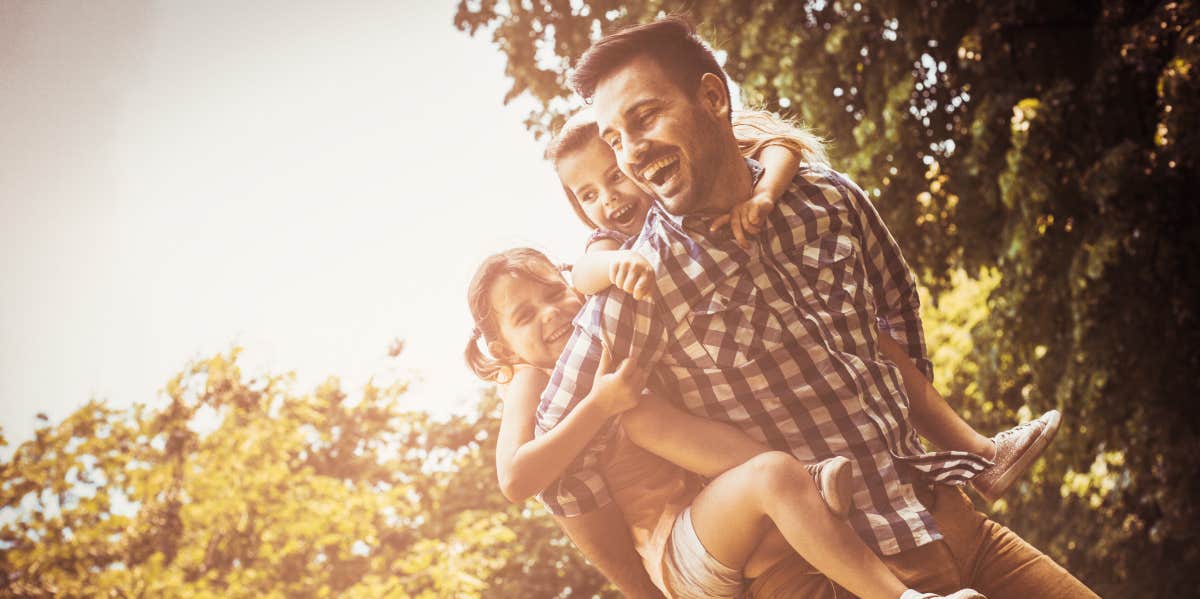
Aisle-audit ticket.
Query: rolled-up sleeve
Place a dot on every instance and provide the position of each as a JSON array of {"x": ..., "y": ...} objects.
[{"x": 897, "y": 302}]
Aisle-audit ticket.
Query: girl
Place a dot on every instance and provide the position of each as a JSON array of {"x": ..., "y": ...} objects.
[
  {"x": 764, "y": 502},
  {"x": 615, "y": 208}
]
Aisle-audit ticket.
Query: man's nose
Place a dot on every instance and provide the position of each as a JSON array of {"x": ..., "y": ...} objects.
[{"x": 633, "y": 150}]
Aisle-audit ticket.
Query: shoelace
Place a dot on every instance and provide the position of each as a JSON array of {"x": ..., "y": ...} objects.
[{"x": 1017, "y": 429}]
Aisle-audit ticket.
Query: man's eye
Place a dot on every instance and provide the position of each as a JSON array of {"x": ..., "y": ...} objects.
[
  {"x": 614, "y": 142},
  {"x": 616, "y": 175},
  {"x": 589, "y": 197}
]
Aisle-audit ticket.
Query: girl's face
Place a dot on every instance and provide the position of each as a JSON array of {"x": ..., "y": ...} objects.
[
  {"x": 607, "y": 196},
  {"x": 534, "y": 318}
]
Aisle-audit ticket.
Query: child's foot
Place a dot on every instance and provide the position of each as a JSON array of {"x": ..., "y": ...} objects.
[
  {"x": 959, "y": 594},
  {"x": 1016, "y": 450},
  {"x": 832, "y": 476}
]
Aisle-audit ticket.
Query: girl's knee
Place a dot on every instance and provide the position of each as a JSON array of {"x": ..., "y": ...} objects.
[{"x": 779, "y": 472}]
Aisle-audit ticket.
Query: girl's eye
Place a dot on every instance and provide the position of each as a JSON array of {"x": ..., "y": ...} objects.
[
  {"x": 589, "y": 196},
  {"x": 521, "y": 317},
  {"x": 616, "y": 175},
  {"x": 614, "y": 142}
]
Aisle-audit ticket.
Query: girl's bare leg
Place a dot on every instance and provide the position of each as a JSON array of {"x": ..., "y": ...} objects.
[{"x": 737, "y": 510}]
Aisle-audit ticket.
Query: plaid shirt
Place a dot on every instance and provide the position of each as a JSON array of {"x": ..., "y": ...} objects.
[{"x": 780, "y": 341}]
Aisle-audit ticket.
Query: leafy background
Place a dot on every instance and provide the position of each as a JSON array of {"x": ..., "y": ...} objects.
[{"x": 1036, "y": 160}]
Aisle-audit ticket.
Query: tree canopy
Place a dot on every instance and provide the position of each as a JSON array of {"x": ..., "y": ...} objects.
[
  {"x": 237, "y": 487},
  {"x": 1052, "y": 147}
]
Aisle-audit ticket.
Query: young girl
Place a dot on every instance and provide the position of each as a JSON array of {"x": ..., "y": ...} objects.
[
  {"x": 764, "y": 502},
  {"x": 615, "y": 208}
]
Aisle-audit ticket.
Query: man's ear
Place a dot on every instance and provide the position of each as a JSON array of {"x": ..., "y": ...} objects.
[{"x": 714, "y": 96}]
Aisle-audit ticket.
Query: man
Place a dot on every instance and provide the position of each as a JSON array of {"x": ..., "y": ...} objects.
[{"x": 781, "y": 339}]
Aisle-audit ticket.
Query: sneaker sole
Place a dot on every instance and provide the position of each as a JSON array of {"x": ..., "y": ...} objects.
[{"x": 1033, "y": 452}]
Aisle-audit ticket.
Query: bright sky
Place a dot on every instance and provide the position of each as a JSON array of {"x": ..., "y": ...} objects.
[{"x": 307, "y": 180}]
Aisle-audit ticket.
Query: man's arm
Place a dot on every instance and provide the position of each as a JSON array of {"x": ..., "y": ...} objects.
[
  {"x": 933, "y": 418},
  {"x": 897, "y": 303},
  {"x": 603, "y": 537}
]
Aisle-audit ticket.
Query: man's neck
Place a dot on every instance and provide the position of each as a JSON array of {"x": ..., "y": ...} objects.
[{"x": 733, "y": 184}]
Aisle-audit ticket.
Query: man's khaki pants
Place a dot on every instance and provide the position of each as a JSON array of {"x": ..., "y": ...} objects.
[{"x": 975, "y": 552}]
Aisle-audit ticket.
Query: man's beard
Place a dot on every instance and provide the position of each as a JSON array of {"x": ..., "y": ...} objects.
[{"x": 703, "y": 170}]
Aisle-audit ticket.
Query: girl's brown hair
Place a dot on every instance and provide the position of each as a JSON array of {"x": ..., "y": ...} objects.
[
  {"x": 754, "y": 130},
  {"x": 487, "y": 360}
]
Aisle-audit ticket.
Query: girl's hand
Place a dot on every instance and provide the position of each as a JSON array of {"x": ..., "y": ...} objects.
[
  {"x": 747, "y": 218},
  {"x": 617, "y": 390},
  {"x": 630, "y": 272}
]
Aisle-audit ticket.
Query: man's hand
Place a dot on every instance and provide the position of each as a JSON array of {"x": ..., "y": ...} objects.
[
  {"x": 617, "y": 388},
  {"x": 631, "y": 273},
  {"x": 747, "y": 218}
]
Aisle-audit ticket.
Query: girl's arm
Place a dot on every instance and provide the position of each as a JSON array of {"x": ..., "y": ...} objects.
[
  {"x": 590, "y": 273},
  {"x": 706, "y": 447},
  {"x": 779, "y": 168},
  {"x": 524, "y": 464},
  {"x": 606, "y": 264},
  {"x": 928, "y": 410}
]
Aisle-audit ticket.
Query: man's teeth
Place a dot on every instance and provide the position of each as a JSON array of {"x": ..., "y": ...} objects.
[{"x": 653, "y": 168}]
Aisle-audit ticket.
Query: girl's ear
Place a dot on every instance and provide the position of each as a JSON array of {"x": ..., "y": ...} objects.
[{"x": 499, "y": 349}]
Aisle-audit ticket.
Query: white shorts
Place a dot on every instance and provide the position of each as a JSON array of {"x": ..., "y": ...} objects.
[{"x": 691, "y": 572}]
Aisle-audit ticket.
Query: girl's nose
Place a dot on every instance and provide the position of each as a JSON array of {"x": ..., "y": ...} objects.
[{"x": 611, "y": 196}]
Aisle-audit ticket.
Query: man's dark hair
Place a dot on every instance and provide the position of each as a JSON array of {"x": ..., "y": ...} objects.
[{"x": 670, "y": 41}]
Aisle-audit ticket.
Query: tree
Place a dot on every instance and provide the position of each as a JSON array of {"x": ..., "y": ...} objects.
[
  {"x": 1055, "y": 143},
  {"x": 236, "y": 487}
]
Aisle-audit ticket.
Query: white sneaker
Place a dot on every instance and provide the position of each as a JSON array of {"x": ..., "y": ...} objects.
[
  {"x": 959, "y": 594},
  {"x": 833, "y": 478},
  {"x": 1016, "y": 450}
]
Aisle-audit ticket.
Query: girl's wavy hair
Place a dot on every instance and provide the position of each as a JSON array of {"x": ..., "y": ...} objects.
[
  {"x": 483, "y": 354},
  {"x": 754, "y": 129}
]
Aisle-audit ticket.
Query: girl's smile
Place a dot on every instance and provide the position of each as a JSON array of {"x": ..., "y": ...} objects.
[
  {"x": 609, "y": 198},
  {"x": 535, "y": 319}
]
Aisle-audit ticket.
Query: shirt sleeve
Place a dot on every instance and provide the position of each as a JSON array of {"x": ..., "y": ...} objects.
[
  {"x": 897, "y": 303},
  {"x": 599, "y": 234},
  {"x": 631, "y": 330}
]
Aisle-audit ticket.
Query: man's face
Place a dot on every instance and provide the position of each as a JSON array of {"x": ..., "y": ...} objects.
[
  {"x": 609, "y": 198},
  {"x": 662, "y": 138}
]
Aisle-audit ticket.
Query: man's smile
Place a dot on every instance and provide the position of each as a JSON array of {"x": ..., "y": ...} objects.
[{"x": 659, "y": 171}]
